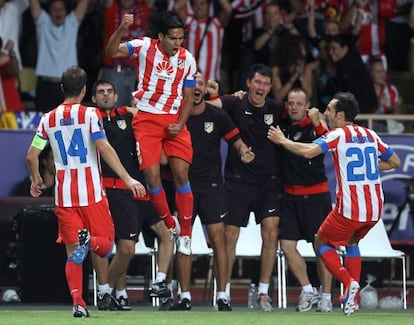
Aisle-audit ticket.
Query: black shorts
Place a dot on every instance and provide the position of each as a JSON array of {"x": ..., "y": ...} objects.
[
  {"x": 262, "y": 199},
  {"x": 129, "y": 214},
  {"x": 301, "y": 215},
  {"x": 209, "y": 203}
]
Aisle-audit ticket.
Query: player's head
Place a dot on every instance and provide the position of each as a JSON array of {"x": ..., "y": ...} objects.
[
  {"x": 200, "y": 89},
  {"x": 73, "y": 82},
  {"x": 297, "y": 104},
  {"x": 347, "y": 103},
  {"x": 341, "y": 110},
  {"x": 259, "y": 83},
  {"x": 104, "y": 95},
  {"x": 168, "y": 29}
]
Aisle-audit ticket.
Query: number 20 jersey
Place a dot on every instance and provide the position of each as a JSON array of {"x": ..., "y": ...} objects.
[
  {"x": 71, "y": 130},
  {"x": 356, "y": 151}
]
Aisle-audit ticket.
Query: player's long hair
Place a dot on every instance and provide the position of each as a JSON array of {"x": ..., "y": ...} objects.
[{"x": 161, "y": 22}]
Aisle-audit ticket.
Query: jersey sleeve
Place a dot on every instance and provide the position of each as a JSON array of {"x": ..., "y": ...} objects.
[{"x": 96, "y": 125}]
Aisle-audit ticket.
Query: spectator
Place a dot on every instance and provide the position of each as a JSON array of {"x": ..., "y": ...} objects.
[
  {"x": 205, "y": 33},
  {"x": 267, "y": 37},
  {"x": 57, "y": 33},
  {"x": 122, "y": 71},
  {"x": 351, "y": 73},
  {"x": 11, "y": 23},
  {"x": 397, "y": 33},
  {"x": 388, "y": 97},
  {"x": 366, "y": 20},
  {"x": 90, "y": 45},
  {"x": 359, "y": 198},
  {"x": 9, "y": 84},
  {"x": 292, "y": 67}
]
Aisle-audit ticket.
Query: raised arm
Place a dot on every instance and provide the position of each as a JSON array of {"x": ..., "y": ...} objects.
[
  {"x": 114, "y": 48},
  {"x": 35, "y": 9},
  {"x": 81, "y": 8},
  {"x": 225, "y": 13},
  {"x": 179, "y": 9},
  {"x": 306, "y": 150}
]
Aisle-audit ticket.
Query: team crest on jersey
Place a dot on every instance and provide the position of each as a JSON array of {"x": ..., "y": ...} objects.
[
  {"x": 121, "y": 124},
  {"x": 180, "y": 64},
  {"x": 268, "y": 119},
  {"x": 209, "y": 127}
]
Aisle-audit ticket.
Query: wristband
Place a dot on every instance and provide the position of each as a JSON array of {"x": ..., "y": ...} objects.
[
  {"x": 213, "y": 97},
  {"x": 320, "y": 129}
]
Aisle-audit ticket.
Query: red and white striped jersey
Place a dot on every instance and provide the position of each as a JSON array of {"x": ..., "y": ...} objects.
[
  {"x": 356, "y": 151},
  {"x": 71, "y": 130},
  {"x": 389, "y": 98},
  {"x": 209, "y": 55},
  {"x": 161, "y": 78}
]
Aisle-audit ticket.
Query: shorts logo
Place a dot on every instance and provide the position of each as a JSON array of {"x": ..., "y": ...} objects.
[
  {"x": 268, "y": 119},
  {"x": 271, "y": 210},
  {"x": 121, "y": 124},
  {"x": 209, "y": 127},
  {"x": 132, "y": 234}
]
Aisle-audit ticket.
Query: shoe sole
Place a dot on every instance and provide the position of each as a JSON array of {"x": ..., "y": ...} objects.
[{"x": 349, "y": 305}]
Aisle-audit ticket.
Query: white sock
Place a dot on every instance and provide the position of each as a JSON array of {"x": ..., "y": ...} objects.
[
  {"x": 263, "y": 288},
  {"x": 228, "y": 290},
  {"x": 121, "y": 293},
  {"x": 326, "y": 296},
  {"x": 104, "y": 288},
  {"x": 307, "y": 288},
  {"x": 161, "y": 276},
  {"x": 185, "y": 294},
  {"x": 221, "y": 295}
]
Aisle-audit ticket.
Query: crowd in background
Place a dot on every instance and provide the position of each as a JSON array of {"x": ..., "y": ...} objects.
[{"x": 321, "y": 46}]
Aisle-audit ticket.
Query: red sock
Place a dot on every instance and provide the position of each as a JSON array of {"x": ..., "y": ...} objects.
[
  {"x": 159, "y": 201},
  {"x": 332, "y": 262},
  {"x": 74, "y": 275},
  {"x": 353, "y": 262},
  {"x": 184, "y": 203},
  {"x": 101, "y": 245}
]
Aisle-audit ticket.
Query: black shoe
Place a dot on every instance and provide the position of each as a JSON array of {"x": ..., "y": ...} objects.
[
  {"x": 83, "y": 237},
  {"x": 81, "y": 250},
  {"x": 79, "y": 311},
  {"x": 184, "y": 304},
  {"x": 160, "y": 290},
  {"x": 223, "y": 305},
  {"x": 107, "y": 302},
  {"x": 123, "y": 303},
  {"x": 166, "y": 303}
]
